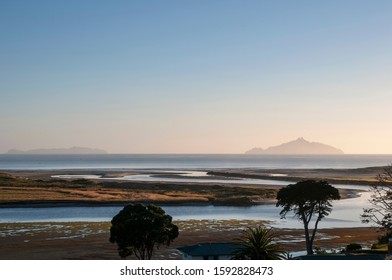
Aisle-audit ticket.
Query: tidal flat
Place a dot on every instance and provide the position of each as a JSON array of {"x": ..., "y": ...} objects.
[
  {"x": 29, "y": 188},
  {"x": 89, "y": 241}
]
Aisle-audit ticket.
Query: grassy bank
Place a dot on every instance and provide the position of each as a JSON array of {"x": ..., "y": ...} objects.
[{"x": 19, "y": 190}]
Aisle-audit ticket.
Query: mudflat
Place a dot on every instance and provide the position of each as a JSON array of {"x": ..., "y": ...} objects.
[
  {"x": 89, "y": 241},
  {"x": 40, "y": 187}
]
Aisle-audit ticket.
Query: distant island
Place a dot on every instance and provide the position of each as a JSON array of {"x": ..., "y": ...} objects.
[
  {"x": 67, "y": 151},
  {"x": 298, "y": 147}
]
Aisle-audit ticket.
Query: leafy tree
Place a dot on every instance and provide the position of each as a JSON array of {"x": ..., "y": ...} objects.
[
  {"x": 307, "y": 199},
  {"x": 138, "y": 229},
  {"x": 380, "y": 213},
  {"x": 353, "y": 247},
  {"x": 258, "y": 244}
]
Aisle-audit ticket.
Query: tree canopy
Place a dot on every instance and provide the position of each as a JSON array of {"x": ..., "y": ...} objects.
[
  {"x": 307, "y": 199},
  {"x": 380, "y": 212},
  {"x": 138, "y": 229}
]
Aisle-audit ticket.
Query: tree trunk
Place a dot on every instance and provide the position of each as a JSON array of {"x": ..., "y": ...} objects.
[{"x": 309, "y": 246}]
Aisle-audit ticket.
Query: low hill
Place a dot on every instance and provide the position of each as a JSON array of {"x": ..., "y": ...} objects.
[
  {"x": 299, "y": 146},
  {"x": 68, "y": 151}
]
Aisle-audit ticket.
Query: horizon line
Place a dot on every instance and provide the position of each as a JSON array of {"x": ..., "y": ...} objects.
[{"x": 177, "y": 153}]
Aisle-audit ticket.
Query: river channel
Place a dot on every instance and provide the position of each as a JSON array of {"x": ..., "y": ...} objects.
[{"x": 345, "y": 213}]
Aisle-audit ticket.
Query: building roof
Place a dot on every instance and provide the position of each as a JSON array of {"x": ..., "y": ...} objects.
[
  {"x": 210, "y": 249},
  {"x": 342, "y": 257}
]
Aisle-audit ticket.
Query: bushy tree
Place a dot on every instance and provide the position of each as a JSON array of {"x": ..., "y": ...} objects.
[
  {"x": 307, "y": 199},
  {"x": 380, "y": 212},
  {"x": 138, "y": 229},
  {"x": 353, "y": 247},
  {"x": 258, "y": 244}
]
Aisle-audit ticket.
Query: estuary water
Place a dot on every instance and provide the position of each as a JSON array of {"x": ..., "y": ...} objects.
[{"x": 345, "y": 212}]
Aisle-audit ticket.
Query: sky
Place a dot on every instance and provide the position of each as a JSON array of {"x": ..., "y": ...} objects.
[{"x": 195, "y": 76}]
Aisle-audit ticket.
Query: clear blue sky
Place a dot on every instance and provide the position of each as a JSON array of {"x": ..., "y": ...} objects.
[{"x": 195, "y": 76}]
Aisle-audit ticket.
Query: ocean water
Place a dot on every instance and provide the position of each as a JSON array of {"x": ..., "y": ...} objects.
[{"x": 178, "y": 161}]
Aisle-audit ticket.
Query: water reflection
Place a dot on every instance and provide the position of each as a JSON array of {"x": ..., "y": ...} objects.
[{"x": 345, "y": 213}]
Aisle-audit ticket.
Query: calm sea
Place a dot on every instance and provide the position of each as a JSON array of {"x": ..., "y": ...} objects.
[{"x": 176, "y": 161}]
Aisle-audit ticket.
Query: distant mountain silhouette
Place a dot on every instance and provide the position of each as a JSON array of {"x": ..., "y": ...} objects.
[
  {"x": 68, "y": 151},
  {"x": 298, "y": 147}
]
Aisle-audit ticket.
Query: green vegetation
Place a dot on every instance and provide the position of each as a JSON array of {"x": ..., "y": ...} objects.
[
  {"x": 307, "y": 199},
  {"x": 139, "y": 229},
  {"x": 380, "y": 213},
  {"x": 259, "y": 244},
  {"x": 353, "y": 247},
  {"x": 380, "y": 247}
]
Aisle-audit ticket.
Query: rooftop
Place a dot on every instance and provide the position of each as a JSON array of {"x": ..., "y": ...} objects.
[{"x": 210, "y": 249}]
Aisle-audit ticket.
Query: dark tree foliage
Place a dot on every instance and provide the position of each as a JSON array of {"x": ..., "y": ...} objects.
[
  {"x": 139, "y": 229},
  {"x": 353, "y": 247},
  {"x": 380, "y": 212},
  {"x": 307, "y": 199},
  {"x": 258, "y": 244}
]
